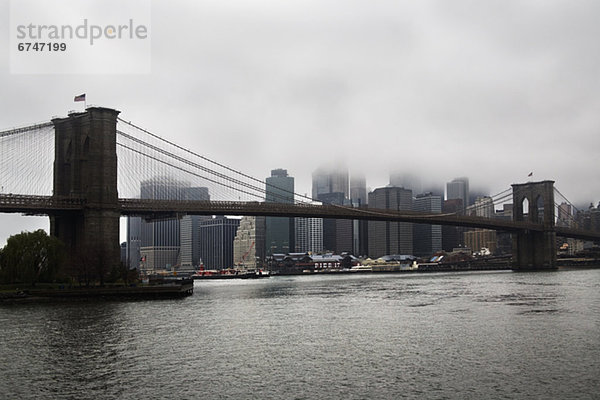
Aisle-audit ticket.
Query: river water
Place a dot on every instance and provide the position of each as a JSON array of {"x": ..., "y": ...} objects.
[{"x": 491, "y": 335}]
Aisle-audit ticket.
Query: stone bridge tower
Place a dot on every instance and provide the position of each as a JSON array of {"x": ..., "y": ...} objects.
[
  {"x": 85, "y": 167},
  {"x": 534, "y": 202}
]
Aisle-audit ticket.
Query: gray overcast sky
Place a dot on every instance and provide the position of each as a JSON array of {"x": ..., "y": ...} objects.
[{"x": 491, "y": 90}]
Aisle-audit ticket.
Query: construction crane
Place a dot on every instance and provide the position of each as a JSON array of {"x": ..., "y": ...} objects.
[{"x": 243, "y": 260}]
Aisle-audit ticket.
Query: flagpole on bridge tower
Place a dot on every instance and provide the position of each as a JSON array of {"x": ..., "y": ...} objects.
[{"x": 81, "y": 97}]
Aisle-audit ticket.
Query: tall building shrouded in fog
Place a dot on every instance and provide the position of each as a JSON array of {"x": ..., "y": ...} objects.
[
  {"x": 458, "y": 188},
  {"x": 359, "y": 198},
  {"x": 279, "y": 236},
  {"x": 385, "y": 237},
  {"x": 331, "y": 186},
  {"x": 457, "y": 199},
  {"x": 358, "y": 190},
  {"x": 452, "y": 236},
  {"x": 330, "y": 181},
  {"x": 337, "y": 233},
  {"x": 406, "y": 181},
  {"x": 427, "y": 239}
]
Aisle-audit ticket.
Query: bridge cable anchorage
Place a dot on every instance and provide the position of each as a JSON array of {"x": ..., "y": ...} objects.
[{"x": 307, "y": 199}]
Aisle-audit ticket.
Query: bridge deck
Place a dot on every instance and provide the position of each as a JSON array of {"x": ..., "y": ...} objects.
[
  {"x": 49, "y": 205},
  {"x": 143, "y": 207}
]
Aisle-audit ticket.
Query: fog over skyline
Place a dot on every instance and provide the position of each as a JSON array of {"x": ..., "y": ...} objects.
[{"x": 489, "y": 90}]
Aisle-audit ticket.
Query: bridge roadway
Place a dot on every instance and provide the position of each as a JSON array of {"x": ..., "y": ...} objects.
[{"x": 159, "y": 209}]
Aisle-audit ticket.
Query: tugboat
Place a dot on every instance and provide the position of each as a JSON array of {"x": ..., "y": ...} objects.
[{"x": 240, "y": 272}]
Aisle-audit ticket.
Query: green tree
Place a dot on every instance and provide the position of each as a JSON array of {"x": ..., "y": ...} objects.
[{"x": 31, "y": 257}]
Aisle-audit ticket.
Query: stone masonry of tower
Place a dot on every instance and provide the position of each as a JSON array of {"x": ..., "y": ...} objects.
[
  {"x": 534, "y": 250},
  {"x": 85, "y": 167}
]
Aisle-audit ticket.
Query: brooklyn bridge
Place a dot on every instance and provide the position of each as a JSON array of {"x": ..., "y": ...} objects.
[{"x": 84, "y": 172}]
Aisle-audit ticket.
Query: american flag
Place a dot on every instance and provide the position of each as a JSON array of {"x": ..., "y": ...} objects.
[{"x": 81, "y": 97}]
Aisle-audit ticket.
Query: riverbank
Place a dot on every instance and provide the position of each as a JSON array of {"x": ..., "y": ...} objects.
[
  {"x": 578, "y": 262},
  {"x": 173, "y": 288}
]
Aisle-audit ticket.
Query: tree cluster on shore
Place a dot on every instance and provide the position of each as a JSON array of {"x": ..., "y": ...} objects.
[
  {"x": 35, "y": 257},
  {"x": 30, "y": 258}
]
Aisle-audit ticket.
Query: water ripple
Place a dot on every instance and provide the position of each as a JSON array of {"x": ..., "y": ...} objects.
[{"x": 493, "y": 336}]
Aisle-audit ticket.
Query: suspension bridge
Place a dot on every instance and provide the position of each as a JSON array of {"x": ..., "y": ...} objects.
[{"x": 89, "y": 168}]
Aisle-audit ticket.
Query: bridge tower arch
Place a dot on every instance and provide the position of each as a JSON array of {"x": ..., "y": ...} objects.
[
  {"x": 85, "y": 167},
  {"x": 534, "y": 250}
]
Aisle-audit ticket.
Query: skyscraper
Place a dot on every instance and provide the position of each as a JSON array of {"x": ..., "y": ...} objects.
[
  {"x": 427, "y": 239},
  {"x": 309, "y": 235},
  {"x": 458, "y": 188},
  {"x": 330, "y": 186},
  {"x": 134, "y": 240},
  {"x": 160, "y": 241},
  {"x": 279, "y": 230},
  {"x": 477, "y": 239},
  {"x": 358, "y": 190},
  {"x": 452, "y": 236},
  {"x": 385, "y": 237},
  {"x": 359, "y": 198},
  {"x": 483, "y": 207},
  {"x": 216, "y": 236},
  {"x": 330, "y": 180},
  {"x": 337, "y": 233},
  {"x": 565, "y": 215},
  {"x": 188, "y": 230}
]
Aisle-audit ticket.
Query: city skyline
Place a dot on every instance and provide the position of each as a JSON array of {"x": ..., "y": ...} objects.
[{"x": 170, "y": 197}]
